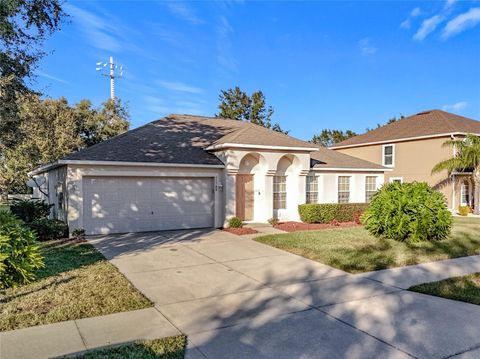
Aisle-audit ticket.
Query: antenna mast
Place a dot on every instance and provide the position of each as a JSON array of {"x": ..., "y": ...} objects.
[{"x": 114, "y": 71}]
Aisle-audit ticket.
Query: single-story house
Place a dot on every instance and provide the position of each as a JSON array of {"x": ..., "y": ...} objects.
[{"x": 192, "y": 172}]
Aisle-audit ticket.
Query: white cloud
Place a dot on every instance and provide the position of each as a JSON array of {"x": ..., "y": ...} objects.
[
  {"x": 366, "y": 47},
  {"x": 180, "y": 87},
  {"x": 428, "y": 26},
  {"x": 225, "y": 56},
  {"x": 185, "y": 12},
  {"x": 416, "y": 12},
  {"x": 456, "y": 106},
  {"x": 449, "y": 3},
  {"x": 462, "y": 22},
  {"x": 50, "y": 77},
  {"x": 407, "y": 23},
  {"x": 100, "y": 33}
]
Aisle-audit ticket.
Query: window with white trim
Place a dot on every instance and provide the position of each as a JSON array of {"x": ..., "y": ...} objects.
[
  {"x": 370, "y": 187},
  {"x": 312, "y": 189},
  {"x": 388, "y": 155},
  {"x": 279, "y": 192},
  {"x": 343, "y": 189},
  {"x": 396, "y": 179}
]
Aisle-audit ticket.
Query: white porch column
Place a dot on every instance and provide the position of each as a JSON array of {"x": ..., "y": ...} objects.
[
  {"x": 268, "y": 196},
  {"x": 230, "y": 192}
]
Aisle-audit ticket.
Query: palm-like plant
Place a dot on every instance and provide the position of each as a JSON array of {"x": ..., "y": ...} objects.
[{"x": 467, "y": 155}]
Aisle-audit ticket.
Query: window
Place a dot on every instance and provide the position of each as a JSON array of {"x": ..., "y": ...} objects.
[
  {"x": 312, "y": 189},
  {"x": 465, "y": 194},
  {"x": 279, "y": 192},
  {"x": 370, "y": 187},
  {"x": 389, "y": 155},
  {"x": 396, "y": 179},
  {"x": 343, "y": 189}
]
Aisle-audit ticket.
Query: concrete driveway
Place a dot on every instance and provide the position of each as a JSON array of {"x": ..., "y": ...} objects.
[{"x": 236, "y": 298}]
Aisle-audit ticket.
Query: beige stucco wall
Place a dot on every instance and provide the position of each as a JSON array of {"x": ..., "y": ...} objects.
[{"x": 414, "y": 161}]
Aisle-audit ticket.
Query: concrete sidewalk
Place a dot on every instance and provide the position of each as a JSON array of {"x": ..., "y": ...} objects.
[
  {"x": 405, "y": 277},
  {"x": 76, "y": 336},
  {"x": 237, "y": 298}
]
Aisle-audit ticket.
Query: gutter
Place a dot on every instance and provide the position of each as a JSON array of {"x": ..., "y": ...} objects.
[
  {"x": 59, "y": 163},
  {"x": 403, "y": 139}
]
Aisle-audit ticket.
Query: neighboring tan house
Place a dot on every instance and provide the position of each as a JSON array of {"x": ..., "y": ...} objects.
[
  {"x": 193, "y": 172},
  {"x": 412, "y": 146}
]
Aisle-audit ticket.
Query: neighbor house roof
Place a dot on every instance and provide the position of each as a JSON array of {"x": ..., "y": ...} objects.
[
  {"x": 425, "y": 124},
  {"x": 327, "y": 159},
  {"x": 182, "y": 139}
]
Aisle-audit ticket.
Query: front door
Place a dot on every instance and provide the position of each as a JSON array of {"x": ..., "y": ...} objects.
[{"x": 244, "y": 197}]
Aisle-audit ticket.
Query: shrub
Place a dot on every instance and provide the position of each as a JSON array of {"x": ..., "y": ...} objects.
[
  {"x": 78, "y": 233},
  {"x": 464, "y": 210},
  {"x": 47, "y": 229},
  {"x": 19, "y": 255},
  {"x": 28, "y": 210},
  {"x": 408, "y": 211},
  {"x": 327, "y": 212},
  {"x": 235, "y": 222},
  {"x": 273, "y": 221}
]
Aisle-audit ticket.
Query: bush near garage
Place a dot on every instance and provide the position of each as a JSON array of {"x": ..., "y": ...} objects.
[
  {"x": 408, "y": 212},
  {"x": 47, "y": 229},
  {"x": 19, "y": 255},
  {"x": 28, "y": 210},
  {"x": 328, "y": 212}
]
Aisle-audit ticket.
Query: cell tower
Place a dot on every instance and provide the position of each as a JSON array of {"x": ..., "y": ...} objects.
[{"x": 113, "y": 71}]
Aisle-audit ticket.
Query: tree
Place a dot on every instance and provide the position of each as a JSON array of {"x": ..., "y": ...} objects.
[
  {"x": 467, "y": 156},
  {"x": 389, "y": 121},
  {"x": 238, "y": 105},
  {"x": 97, "y": 125},
  {"x": 328, "y": 138},
  {"x": 51, "y": 129},
  {"x": 24, "y": 26}
]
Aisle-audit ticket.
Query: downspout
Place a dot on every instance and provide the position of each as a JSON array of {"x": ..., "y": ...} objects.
[{"x": 452, "y": 137}]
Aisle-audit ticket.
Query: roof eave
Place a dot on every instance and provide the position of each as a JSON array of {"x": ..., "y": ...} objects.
[
  {"x": 265, "y": 147},
  {"x": 402, "y": 140},
  {"x": 352, "y": 169}
]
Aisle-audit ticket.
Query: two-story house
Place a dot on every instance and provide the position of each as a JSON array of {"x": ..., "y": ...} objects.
[{"x": 412, "y": 146}]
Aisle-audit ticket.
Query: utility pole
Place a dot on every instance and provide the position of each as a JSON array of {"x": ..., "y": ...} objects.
[{"x": 114, "y": 71}]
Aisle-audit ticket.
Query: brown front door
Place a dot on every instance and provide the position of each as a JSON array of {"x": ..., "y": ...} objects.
[{"x": 244, "y": 197}]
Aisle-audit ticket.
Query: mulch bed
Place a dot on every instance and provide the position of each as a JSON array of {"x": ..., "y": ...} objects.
[
  {"x": 241, "y": 231},
  {"x": 301, "y": 226}
]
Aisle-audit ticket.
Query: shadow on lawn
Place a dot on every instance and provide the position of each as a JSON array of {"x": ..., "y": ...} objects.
[{"x": 65, "y": 256}]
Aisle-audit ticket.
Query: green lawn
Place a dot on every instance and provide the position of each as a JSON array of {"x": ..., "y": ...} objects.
[
  {"x": 355, "y": 250},
  {"x": 465, "y": 289},
  {"x": 77, "y": 282},
  {"x": 4, "y": 207},
  {"x": 166, "y": 348}
]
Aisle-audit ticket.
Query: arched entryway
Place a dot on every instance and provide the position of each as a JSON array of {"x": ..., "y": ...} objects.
[
  {"x": 285, "y": 182},
  {"x": 250, "y": 165}
]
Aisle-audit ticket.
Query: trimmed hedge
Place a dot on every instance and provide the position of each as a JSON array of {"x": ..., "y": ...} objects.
[{"x": 327, "y": 212}]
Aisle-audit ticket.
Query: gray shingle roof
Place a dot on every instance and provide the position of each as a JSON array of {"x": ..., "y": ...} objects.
[
  {"x": 326, "y": 158},
  {"x": 182, "y": 139}
]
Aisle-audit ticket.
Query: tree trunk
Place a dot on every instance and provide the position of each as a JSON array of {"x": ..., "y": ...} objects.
[{"x": 476, "y": 196}]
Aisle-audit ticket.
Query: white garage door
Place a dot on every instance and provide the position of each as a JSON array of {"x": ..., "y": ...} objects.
[{"x": 140, "y": 204}]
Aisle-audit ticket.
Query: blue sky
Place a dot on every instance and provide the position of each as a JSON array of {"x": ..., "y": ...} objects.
[{"x": 338, "y": 64}]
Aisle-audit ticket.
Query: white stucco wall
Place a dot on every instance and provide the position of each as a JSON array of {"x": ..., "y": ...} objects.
[
  {"x": 75, "y": 174},
  {"x": 328, "y": 185}
]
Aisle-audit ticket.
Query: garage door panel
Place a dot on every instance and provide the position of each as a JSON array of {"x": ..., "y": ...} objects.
[{"x": 117, "y": 205}]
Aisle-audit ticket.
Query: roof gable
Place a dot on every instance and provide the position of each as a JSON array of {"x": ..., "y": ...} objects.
[{"x": 424, "y": 124}]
